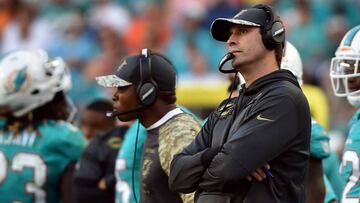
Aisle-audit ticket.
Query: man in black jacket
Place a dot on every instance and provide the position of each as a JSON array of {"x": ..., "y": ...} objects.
[
  {"x": 94, "y": 178},
  {"x": 268, "y": 123}
]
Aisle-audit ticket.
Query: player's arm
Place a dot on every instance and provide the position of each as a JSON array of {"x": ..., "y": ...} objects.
[
  {"x": 268, "y": 135},
  {"x": 319, "y": 149},
  {"x": 330, "y": 169},
  {"x": 330, "y": 196},
  {"x": 315, "y": 188},
  {"x": 66, "y": 182}
]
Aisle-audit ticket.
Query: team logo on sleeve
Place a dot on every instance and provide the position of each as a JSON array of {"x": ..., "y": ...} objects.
[{"x": 114, "y": 142}]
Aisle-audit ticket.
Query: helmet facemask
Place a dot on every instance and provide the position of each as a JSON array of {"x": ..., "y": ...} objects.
[{"x": 345, "y": 78}]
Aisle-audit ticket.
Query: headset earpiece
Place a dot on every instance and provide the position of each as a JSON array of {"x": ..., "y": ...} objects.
[
  {"x": 274, "y": 32},
  {"x": 147, "y": 88}
]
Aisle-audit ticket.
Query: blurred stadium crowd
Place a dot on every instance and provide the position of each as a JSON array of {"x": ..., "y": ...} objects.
[{"x": 94, "y": 35}]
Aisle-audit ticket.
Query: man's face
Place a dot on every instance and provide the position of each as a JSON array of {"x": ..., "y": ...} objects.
[
  {"x": 349, "y": 67},
  {"x": 246, "y": 44},
  {"x": 95, "y": 123},
  {"x": 124, "y": 99}
]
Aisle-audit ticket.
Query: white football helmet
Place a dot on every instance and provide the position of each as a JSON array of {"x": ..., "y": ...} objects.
[
  {"x": 29, "y": 79},
  {"x": 345, "y": 67},
  {"x": 292, "y": 61}
]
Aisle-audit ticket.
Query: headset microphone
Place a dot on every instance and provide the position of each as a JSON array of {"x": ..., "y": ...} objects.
[
  {"x": 118, "y": 113},
  {"x": 225, "y": 59}
]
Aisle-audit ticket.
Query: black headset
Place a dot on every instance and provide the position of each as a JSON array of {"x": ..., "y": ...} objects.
[
  {"x": 273, "y": 33},
  {"x": 147, "y": 87}
]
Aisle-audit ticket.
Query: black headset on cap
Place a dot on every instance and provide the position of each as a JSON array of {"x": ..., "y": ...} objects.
[
  {"x": 147, "y": 88},
  {"x": 273, "y": 32}
]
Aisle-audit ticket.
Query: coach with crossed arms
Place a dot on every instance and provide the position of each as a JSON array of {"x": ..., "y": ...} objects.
[{"x": 268, "y": 123}]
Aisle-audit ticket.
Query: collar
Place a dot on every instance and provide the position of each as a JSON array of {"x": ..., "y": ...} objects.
[{"x": 165, "y": 118}]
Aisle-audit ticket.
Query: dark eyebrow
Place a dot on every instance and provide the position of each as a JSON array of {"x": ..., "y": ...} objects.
[{"x": 123, "y": 87}]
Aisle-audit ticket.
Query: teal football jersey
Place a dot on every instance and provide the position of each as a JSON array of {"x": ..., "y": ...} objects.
[
  {"x": 319, "y": 141},
  {"x": 349, "y": 169},
  {"x": 125, "y": 164},
  {"x": 32, "y": 162}
]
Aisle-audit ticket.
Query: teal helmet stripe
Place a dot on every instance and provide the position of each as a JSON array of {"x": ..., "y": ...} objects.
[{"x": 351, "y": 35}]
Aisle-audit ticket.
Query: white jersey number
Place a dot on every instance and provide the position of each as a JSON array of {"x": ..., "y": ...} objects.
[
  {"x": 122, "y": 186},
  {"x": 350, "y": 157},
  {"x": 24, "y": 160}
]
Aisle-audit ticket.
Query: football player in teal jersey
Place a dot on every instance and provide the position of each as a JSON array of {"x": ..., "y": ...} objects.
[
  {"x": 319, "y": 186},
  {"x": 38, "y": 145},
  {"x": 345, "y": 80}
]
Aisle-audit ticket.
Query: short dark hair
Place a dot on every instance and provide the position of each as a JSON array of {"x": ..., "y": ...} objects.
[{"x": 169, "y": 97}]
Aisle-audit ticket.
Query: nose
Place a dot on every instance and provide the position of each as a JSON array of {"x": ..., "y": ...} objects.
[
  {"x": 231, "y": 41},
  {"x": 87, "y": 131},
  {"x": 115, "y": 97}
]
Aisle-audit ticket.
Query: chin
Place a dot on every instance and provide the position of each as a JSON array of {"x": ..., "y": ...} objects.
[
  {"x": 236, "y": 63},
  {"x": 237, "y": 66},
  {"x": 126, "y": 117}
]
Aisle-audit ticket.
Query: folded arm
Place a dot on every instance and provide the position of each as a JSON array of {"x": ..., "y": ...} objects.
[{"x": 268, "y": 131}]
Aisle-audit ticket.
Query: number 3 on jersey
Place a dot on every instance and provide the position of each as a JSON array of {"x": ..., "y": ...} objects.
[
  {"x": 21, "y": 161},
  {"x": 122, "y": 187},
  {"x": 350, "y": 170}
]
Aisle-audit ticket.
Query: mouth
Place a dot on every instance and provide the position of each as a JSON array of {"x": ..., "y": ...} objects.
[
  {"x": 353, "y": 88},
  {"x": 235, "y": 52},
  {"x": 114, "y": 108}
]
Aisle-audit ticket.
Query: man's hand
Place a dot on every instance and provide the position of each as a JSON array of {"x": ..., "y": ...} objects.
[
  {"x": 259, "y": 173},
  {"x": 102, "y": 184}
]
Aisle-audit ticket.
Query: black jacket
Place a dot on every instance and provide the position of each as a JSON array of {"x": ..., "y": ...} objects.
[
  {"x": 97, "y": 162},
  {"x": 270, "y": 123}
]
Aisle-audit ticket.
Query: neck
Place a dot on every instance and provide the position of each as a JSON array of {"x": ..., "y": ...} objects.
[
  {"x": 258, "y": 69},
  {"x": 151, "y": 115}
]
